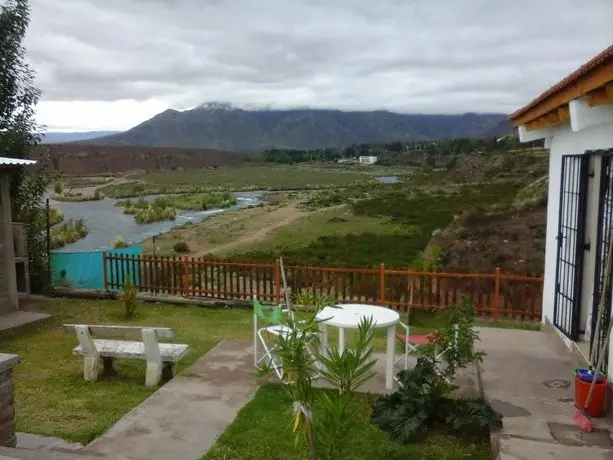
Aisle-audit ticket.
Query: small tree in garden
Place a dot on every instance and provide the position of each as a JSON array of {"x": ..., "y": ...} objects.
[
  {"x": 326, "y": 433},
  {"x": 129, "y": 296}
]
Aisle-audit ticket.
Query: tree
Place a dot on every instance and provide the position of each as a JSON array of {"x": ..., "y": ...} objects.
[{"x": 19, "y": 132}]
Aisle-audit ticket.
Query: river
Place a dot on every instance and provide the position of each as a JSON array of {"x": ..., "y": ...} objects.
[{"x": 106, "y": 221}]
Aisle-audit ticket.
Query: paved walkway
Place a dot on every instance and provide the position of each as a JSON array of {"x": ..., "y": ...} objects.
[
  {"x": 183, "y": 418},
  {"x": 529, "y": 381}
]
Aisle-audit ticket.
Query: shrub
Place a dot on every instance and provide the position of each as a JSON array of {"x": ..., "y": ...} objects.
[
  {"x": 58, "y": 188},
  {"x": 68, "y": 232},
  {"x": 76, "y": 196},
  {"x": 120, "y": 242},
  {"x": 181, "y": 247},
  {"x": 424, "y": 400},
  {"x": 154, "y": 214},
  {"x": 328, "y": 432},
  {"x": 56, "y": 216},
  {"x": 129, "y": 297}
]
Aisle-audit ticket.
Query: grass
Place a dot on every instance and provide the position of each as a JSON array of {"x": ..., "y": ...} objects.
[
  {"x": 68, "y": 232},
  {"x": 200, "y": 201},
  {"x": 86, "y": 181},
  {"x": 51, "y": 396},
  {"x": 413, "y": 212},
  {"x": 268, "y": 177},
  {"x": 53, "y": 399},
  {"x": 337, "y": 223},
  {"x": 262, "y": 430},
  {"x": 77, "y": 196},
  {"x": 146, "y": 212},
  {"x": 56, "y": 216}
]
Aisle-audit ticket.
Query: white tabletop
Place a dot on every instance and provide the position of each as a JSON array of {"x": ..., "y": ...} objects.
[{"x": 349, "y": 315}]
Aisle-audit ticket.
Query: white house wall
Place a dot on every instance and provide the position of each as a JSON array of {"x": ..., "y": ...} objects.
[{"x": 564, "y": 141}]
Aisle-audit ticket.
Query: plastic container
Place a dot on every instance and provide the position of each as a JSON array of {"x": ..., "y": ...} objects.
[
  {"x": 582, "y": 388},
  {"x": 587, "y": 375}
]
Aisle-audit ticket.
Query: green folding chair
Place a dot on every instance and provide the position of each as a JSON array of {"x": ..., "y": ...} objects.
[{"x": 272, "y": 316}]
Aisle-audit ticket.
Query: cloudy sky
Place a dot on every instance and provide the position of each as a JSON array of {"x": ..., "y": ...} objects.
[{"x": 110, "y": 64}]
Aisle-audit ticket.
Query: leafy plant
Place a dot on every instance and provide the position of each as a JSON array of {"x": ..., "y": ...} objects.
[
  {"x": 424, "y": 400},
  {"x": 68, "y": 232},
  {"x": 407, "y": 413},
  {"x": 472, "y": 418},
  {"x": 457, "y": 338},
  {"x": 120, "y": 242},
  {"x": 312, "y": 301},
  {"x": 129, "y": 297},
  {"x": 326, "y": 434},
  {"x": 181, "y": 246}
]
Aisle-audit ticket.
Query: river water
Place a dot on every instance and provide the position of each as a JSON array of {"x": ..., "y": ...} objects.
[{"x": 106, "y": 221}]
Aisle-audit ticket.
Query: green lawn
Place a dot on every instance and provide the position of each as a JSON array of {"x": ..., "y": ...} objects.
[
  {"x": 262, "y": 431},
  {"x": 53, "y": 399},
  {"x": 51, "y": 396}
]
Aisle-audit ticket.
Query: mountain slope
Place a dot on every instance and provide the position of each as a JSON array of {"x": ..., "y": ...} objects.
[
  {"x": 221, "y": 126},
  {"x": 56, "y": 138}
]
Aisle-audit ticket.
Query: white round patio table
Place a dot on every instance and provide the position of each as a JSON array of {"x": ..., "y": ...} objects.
[{"x": 349, "y": 316}]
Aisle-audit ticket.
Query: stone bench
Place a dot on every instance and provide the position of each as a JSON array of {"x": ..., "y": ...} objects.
[{"x": 102, "y": 352}]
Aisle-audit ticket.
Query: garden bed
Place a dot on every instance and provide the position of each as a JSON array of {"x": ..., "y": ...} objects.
[{"x": 261, "y": 431}]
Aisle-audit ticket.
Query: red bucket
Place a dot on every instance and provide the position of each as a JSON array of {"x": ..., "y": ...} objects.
[{"x": 596, "y": 406}]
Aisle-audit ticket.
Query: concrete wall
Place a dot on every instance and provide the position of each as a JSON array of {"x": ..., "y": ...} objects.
[{"x": 7, "y": 400}]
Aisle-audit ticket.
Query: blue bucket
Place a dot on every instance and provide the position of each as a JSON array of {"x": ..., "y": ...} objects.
[{"x": 587, "y": 375}]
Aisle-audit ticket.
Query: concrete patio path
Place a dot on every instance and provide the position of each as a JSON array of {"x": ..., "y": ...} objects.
[
  {"x": 528, "y": 379},
  {"x": 183, "y": 418}
]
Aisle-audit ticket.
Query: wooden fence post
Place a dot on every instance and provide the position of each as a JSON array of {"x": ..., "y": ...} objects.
[
  {"x": 277, "y": 282},
  {"x": 382, "y": 284},
  {"x": 496, "y": 306},
  {"x": 105, "y": 273},
  {"x": 185, "y": 276}
]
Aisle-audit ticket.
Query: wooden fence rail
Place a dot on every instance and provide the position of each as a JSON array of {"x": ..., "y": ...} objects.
[{"x": 495, "y": 295}]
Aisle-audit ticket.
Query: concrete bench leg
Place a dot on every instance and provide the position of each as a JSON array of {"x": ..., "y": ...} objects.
[
  {"x": 154, "y": 374},
  {"x": 91, "y": 360},
  {"x": 109, "y": 366},
  {"x": 153, "y": 357},
  {"x": 91, "y": 366}
]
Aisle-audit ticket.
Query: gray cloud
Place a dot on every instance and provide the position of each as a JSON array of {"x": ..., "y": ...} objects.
[{"x": 427, "y": 56}]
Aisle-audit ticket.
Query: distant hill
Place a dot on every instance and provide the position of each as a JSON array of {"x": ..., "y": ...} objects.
[
  {"x": 83, "y": 159},
  {"x": 224, "y": 127},
  {"x": 56, "y": 138}
]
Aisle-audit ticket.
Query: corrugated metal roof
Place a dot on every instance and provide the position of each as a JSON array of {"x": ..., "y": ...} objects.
[
  {"x": 4, "y": 161},
  {"x": 596, "y": 61}
]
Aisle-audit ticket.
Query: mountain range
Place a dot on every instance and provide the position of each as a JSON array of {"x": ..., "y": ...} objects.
[
  {"x": 225, "y": 127},
  {"x": 58, "y": 137}
]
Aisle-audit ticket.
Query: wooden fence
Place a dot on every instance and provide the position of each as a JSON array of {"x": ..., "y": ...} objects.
[{"x": 495, "y": 295}]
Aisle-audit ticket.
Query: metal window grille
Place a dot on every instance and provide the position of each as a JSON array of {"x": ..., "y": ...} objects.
[{"x": 571, "y": 241}]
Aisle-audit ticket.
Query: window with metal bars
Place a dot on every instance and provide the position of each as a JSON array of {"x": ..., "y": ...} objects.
[{"x": 571, "y": 231}]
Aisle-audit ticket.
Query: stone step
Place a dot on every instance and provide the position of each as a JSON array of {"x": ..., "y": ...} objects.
[
  {"x": 31, "y": 454},
  {"x": 522, "y": 449}
]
